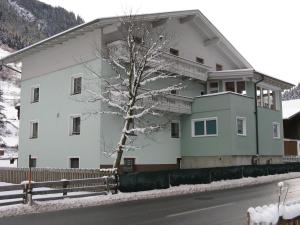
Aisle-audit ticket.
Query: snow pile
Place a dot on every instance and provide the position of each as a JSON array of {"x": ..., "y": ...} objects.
[
  {"x": 27, "y": 15},
  {"x": 290, "y": 108},
  {"x": 267, "y": 215},
  {"x": 55, "y": 205}
]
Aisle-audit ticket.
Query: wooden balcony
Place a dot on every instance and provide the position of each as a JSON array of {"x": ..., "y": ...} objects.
[{"x": 179, "y": 65}]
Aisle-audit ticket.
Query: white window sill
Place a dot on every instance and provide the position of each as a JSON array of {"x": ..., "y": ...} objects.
[{"x": 211, "y": 135}]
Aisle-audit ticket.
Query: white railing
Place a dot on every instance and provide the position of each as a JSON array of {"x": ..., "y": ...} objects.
[
  {"x": 179, "y": 65},
  {"x": 291, "y": 158}
]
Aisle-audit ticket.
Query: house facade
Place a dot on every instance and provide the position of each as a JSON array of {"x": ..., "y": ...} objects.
[{"x": 227, "y": 114}]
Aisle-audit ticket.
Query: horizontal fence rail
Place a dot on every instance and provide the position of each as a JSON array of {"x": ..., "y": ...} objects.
[
  {"x": 17, "y": 175},
  {"x": 99, "y": 185}
]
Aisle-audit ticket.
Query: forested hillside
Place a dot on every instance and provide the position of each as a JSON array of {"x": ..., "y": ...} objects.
[{"x": 293, "y": 93}]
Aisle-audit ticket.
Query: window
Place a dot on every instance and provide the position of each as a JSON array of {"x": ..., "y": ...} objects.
[
  {"x": 199, "y": 60},
  {"x": 74, "y": 162},
  {"x": 137, "y": 40},
  {"x": 76, "y": 85},
  {"x": 276, "y": 130},
  {"x": 213, "y": 87},
  {"x": 235, "y": 86},
  {"x": 267, "y": 98},
  {"x": 205, "y": 127},
  {"x": 34, "y": 129},
  {"x": 219, "y": 67},
  {"x": 175, "y": 130},
  {"x": 129, "y": 164},
  {"x": 241, "y": 126},
  {"x": 173, "y": 92},
  {"x": 174, "y": 51},
  {"x": 75, "y": 125},
  {"x": 35, "y": 94}
]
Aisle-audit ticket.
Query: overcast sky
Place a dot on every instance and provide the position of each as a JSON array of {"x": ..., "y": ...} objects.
[{"x": 265, "y": 32}]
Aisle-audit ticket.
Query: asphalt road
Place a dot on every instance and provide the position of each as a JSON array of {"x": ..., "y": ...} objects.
[{"x": 212, "y": 208}]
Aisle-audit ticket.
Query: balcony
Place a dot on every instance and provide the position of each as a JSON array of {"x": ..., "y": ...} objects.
[
  {"x": 180, "y": 66},
  {"x": 168, "y": 103}
]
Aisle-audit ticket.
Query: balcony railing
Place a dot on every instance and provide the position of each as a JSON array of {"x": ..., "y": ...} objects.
[
  {"x": 167, "y": 103},
  {"x": 179, "y": 65}
]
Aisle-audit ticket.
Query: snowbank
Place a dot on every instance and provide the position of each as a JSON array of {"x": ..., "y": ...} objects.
[
  {"x": 123, "y": 197},
  {"x": 270, "y": 214}
]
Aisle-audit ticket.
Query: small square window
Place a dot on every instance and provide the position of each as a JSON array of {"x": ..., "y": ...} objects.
[
  {"x": 174, "y": 51},
  {"x": 75, "y": 125},
  {"x": 199, "y": 60},
  {"x": 276, "y": 130},
  {"x": 241, "y": 126},
  {"x": 213, "y": 87},
  {"x": 129, "y": 164},
  {"x": 173, "y": 92},
  {"x": 74, "y": 163},
  {"x": 34, "y": 129},
  {"x": 219, "y": 67},
  {"x": 76, "y": 85},
  {"x": 35, "y": 94},
  {"x": 175, "y": 130}
]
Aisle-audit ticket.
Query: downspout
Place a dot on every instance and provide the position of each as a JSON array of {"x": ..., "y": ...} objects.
[{"x": 256, "y": 113}]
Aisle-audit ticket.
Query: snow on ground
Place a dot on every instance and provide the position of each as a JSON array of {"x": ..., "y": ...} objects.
[
  {"x": 67, "y": 203},
  {"x": 290, "y": 108}
]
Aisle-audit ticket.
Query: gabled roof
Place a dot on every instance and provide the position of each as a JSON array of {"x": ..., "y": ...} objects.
[
  {"x": 290, "y": 108},
  {"x": 195, "y": 15}
]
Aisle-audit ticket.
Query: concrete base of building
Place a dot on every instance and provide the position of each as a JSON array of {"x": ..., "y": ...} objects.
[
  {"x": 189, "y": 162},
  {"x": 145, "y": 167}
]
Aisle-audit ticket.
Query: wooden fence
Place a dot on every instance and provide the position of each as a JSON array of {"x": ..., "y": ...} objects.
[
  {"x": 100, "y": 185},
  {"x": 17, "y": 175}
]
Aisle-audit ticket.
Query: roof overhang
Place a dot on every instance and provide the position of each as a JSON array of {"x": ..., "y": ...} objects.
[
  {"x": 249, "y": 74},
  {"x": 157, "y": 18}
]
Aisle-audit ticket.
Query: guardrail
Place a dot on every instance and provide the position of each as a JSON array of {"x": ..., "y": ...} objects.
[
  {"x": 290, "y": 158},
  {"x": 95, "y": 186}
]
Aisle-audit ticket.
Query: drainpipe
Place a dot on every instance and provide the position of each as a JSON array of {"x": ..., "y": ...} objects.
[{"x": 256, "y": 113}]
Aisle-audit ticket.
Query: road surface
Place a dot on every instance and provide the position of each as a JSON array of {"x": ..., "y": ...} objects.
[{"x": 212, "y": 208}]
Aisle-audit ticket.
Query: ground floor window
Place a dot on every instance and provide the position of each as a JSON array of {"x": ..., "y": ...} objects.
[
  {"x": 175, "y": 129},
  {"x": 241, "y": 126},
  {"x": 276, "y": 130},
  {"x": 129, "y": 164},
  {"x": 205, "y": 127},
  {"x": 74, "y": 162}
]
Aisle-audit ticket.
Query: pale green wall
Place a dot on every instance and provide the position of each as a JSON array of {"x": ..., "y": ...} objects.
[
  {"x": 54, "y": 146},
  {"x": 226, "y": 107}
]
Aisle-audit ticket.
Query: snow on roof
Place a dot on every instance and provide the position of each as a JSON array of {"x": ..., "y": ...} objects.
[{"x": 290, "y": 108}]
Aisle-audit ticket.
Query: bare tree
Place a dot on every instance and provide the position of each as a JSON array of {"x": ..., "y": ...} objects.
[{"x": 138, "y": 64}]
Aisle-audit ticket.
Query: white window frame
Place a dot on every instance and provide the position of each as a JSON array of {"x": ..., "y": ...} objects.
[
  {"x": 32, "y": 93},
  {"x": 31, "y": 122},
  {"x": 276, "y": 99},
  {"x": 244, "y": 119},
  {"x": 179, "y": 133},
  {"x": 74, "y": 157},
  {"x": 208, "y": 87},
  {"x": 205, "y": 133},
  {"x": 278, "y": 131},
  {"x": 235, "y": 85},
  {"x": 73, "y": 77},
  {"x": 71, "y": 124}
]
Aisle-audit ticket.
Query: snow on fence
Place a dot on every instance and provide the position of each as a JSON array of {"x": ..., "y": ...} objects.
[
  {"x": 88, "y": 186},
  {"x": 17, "y": 175}
]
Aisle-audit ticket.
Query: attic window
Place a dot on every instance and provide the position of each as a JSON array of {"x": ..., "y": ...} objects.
[
  {"x": 219, "y": 67},
  {"x": 174, "y": 51},
  {"x": 199, "y": 60}
]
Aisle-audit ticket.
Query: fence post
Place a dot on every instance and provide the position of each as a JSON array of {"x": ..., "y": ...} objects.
[
  {"x": 107, "y": 184},
  {"x": 65, "y": 185},
  {"x": 25, "y": 193},
  {"x": 29, "y": 195}
]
